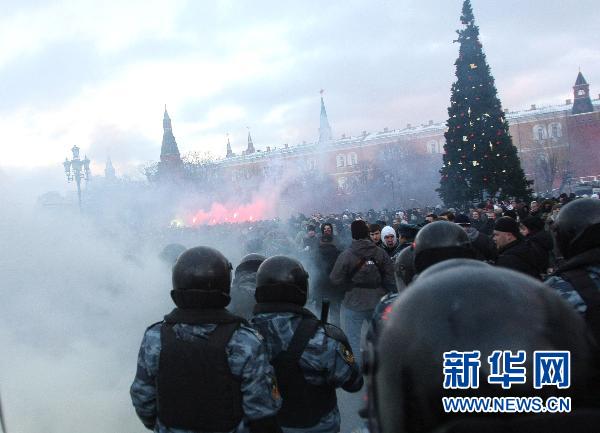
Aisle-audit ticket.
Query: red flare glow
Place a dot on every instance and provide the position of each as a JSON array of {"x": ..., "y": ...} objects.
[{"x": 220, "y": 213}]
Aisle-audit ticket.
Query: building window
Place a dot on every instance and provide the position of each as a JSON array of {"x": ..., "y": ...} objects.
[
  {"x": 341, "y": 161},
  {"x": 434, "y": 146},
  {"x": 539, "y": 132},
  {"x": 341, "y": 182},
  {"x": 311, "y": 164},
  {"x": 555, "y": 130},
  {"x": 431, "y": 146},
  {"x": 352, "y": 158}
]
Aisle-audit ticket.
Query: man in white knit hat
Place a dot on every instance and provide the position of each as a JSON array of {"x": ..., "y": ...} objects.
[{"x": 390, "y": 241}]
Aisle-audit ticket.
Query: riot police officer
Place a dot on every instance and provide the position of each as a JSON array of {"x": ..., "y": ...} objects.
[
  {"x": 244, "y": 285},
  {"x": 202, "y": 369},
  {"x": 384, "y": 307},
  {"x": 438, "y": 241},
  {"x": 471, "y": 308},
  {"x": 577, "y": 236},
  {"x": 311, "y": 358}
]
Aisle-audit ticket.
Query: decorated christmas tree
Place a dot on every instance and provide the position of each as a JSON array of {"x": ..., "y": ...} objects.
[{"x": 480, "y": 159}]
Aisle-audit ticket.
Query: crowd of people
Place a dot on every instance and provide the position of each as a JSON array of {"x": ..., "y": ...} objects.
[{"x": 405, "y": 287}]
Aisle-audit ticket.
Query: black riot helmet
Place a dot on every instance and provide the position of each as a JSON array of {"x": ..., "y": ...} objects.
[
  {"x": 281, "y": 279},
  {"x": 170, "y": 253},
  {"x": 577, "y": 228},
  {"x": 250, "y": 263},
  {"x": 452, "y": 264},
  {"x": 404, "y": 267},
  {"x": 469, "y": 308},
  {"x": 438, "y": 241},
  {"x": 201, "y": 279}
]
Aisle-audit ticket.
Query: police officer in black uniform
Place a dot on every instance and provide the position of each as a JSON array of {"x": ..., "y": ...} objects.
[
  {"x": 311, "y": 358},
  {"x": 439, "y": 241},
  {"x": 577, "y": 235},
  {"x": 467, "y": 308}
]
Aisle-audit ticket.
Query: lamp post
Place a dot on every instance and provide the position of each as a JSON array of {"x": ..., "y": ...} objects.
[{"x": 77, "y": 169}]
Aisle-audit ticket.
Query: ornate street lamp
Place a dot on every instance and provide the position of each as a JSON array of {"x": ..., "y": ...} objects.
[{"x": 77, "y": 169}]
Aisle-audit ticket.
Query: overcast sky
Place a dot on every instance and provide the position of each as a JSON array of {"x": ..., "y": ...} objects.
[{"x": 98, "y": 74}]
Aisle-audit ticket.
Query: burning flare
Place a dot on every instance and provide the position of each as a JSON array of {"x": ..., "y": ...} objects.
[{"x": 220, "y": 213}]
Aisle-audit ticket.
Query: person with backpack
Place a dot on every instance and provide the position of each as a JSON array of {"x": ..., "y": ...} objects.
[{"x": 367, "y": 272}]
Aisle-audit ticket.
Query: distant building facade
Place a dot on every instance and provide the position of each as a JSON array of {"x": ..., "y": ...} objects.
[{"x": 555, "y": 144}]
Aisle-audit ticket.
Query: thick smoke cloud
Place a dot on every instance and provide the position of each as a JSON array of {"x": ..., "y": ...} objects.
[
  {"x": 74, "y": 306},
  {"x": 78, "y": 291}
]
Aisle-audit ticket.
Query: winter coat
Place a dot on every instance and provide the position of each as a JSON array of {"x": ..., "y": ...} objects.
[
  {"x": 310, "y": 244},
  {"x": 543, "y": 244},
  {"x": 478, "y": 224},
  {"x": 324, "y": 260},
  {"x": 520, "y": 256},
  {"x": 391, "y": 252},
  {"x": 487, "y": 228},
  {"x": 368, "y": 282}
]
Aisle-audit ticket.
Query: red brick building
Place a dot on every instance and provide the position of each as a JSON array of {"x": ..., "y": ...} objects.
[{"x": 555, "y": 143}]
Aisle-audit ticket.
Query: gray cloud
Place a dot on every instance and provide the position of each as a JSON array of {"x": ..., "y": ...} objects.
[
  {"x": 392, "y": 63},
  {"x": 385, "y": 64},
  {"x": 50, "y": 78}
]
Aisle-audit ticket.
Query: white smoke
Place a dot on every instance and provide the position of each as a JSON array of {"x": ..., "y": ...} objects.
[{"x": 75, "y": 304}]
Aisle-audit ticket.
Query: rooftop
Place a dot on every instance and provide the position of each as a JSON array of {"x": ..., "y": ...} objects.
[{"x": 372, "y": 137}]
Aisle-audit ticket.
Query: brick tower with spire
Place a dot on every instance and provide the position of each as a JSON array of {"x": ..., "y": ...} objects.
[
  {"x": 324, "y": 127},
  {"x": 581, "y": 96},
  {"x": 109, "y": 170},
  {"x": 250, "y": 148},
  {"x": 229, "y": 151},
  {"x": 171, "y": 165},
  {"x": 584, "y": 132}
]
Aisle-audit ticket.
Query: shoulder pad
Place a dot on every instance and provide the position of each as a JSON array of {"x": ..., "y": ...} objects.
[
  {"x": 336, "y": 333},
  {"x": 154, "y": 324}
]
